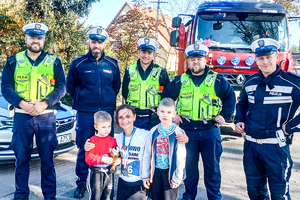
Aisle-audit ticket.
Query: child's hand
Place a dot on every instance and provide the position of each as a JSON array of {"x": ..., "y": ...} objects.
[
  {"x": 146, "y": 184},
  {"x": 107, "y": 160},
  {"x": 88, "y": 145},
  {"x": 173, "y": 186},
  {"x": 118, "y": 162}
]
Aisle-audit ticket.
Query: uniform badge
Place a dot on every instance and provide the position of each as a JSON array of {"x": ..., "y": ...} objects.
[
  {"x": 261, "y": 43},
  {"x": 147, "y": 41},
  {"x": 37, "y": 26},
  {"x": 196, "y": 46},
  {"x": 99, "y": 31}
]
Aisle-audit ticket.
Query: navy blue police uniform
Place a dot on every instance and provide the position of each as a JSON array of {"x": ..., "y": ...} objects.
[
  {"x": 204, "y": 136},
  {"x": 42, "y": 126},
  {"x": 266, "y": 103},
  {"x": 93, "y": 86},
  {"x": 145, "y": 118}
]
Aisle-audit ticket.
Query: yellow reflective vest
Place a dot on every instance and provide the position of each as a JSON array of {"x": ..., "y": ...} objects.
[
  {"x": 144, "y": 94},
  {"x": 198, "y": 103},
  {"x": 33, "y": 83}
]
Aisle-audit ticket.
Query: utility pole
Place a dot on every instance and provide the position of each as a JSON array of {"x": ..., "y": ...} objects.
[{"x": 157, "y": 16}]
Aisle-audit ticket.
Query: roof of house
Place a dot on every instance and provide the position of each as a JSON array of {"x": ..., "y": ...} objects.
[{"x": 163, "y": 36}]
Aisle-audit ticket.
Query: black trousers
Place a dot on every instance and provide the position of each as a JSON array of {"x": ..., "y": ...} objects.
[
  {"x": 131, "y": 190},
  {"x": 160, "y": 187},
  {"x": 100, "y": 184}
]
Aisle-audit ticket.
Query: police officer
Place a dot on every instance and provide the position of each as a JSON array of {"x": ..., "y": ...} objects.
[
  {"x": 93, "y": 82},
  {"x": 33, "y": 81},
  {"x": 143, "y": 84},
  {"x": 205, "y": 101},
  {"x": 265, "y": 117}
]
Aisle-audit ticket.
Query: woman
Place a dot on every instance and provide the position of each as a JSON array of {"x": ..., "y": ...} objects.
[{"x": 132, "y": 144}]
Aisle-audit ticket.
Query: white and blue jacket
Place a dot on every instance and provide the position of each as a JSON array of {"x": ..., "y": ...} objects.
[
  {"x": 267, "y": 103},
  {"x": 177, "y": 156}
]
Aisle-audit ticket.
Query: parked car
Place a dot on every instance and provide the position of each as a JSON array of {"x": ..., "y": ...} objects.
[{"x": 65, "y": 131}]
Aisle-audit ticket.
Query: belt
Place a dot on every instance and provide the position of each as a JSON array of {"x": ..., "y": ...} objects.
[
  {"x": 143, "y": 115},
  {"x": 260, "y": 141},
  {"x": 18, "y": 110}
]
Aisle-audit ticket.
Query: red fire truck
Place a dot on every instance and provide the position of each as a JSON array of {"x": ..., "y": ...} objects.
[{"x": 228, "y": 28}]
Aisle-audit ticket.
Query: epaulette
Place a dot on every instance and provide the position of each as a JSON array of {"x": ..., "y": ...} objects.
[
  {"x": 251, "y": 76},
  {"x": 112, "y": 59},
  {"x": 11, "y": 58},
  {"x": 77, "y": 58},
  {"x": 293, "y": 74},
  {"x": 177, "y": 76}
]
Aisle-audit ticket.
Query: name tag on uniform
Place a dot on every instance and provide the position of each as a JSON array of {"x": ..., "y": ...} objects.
[
  {"x": 107, "y": 71},
  {"x": 88, "y": 71},
  {"x": 22, "y": 77}
]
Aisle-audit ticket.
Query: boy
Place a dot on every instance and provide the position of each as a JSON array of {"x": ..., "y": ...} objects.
[
  {"x": 164, "y": 157},
  {"x": 100, "y": 180}
]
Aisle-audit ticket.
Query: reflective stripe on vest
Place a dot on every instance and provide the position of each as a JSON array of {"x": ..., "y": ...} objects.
[
  {"x": 198, "y": 103},
  {"x": 33, "y": 82},
  {"x": 144, "y": 94}
]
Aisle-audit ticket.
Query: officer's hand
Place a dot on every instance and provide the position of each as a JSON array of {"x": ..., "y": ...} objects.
[
  {"x": 240, "y": 127},
  {"x": 38, "y": 107},
  {"x": 118, "y": 162},
  {"x": 284, "y": 129},
  {"x": 177, "y": 119},
  {"x": 107, "y": 160},
  {"x": 88, "y": 145},
  {"x": 146, "y": 184},
  {"x": 25, "y": 105},
  {"x": 182, "y": 138},
  {"x": 220, "y": 120}
]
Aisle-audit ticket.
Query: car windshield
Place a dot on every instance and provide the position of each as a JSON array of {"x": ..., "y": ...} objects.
[{"x": 234, "y": 32}]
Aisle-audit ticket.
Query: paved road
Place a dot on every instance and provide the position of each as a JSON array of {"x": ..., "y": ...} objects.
[{"x": 233, "y": 178}]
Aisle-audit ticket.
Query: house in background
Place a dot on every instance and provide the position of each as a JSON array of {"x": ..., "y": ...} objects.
[{"x": 166, "y": 55}]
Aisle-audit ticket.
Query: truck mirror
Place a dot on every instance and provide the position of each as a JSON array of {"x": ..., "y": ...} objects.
[
  {"x": 174, "y": 38},
  {"x": 176, "y": 22},
  {"x": 217, "y": 26}
]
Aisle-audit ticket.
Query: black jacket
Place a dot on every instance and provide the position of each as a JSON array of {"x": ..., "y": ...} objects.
[{"x": 94, "y": 85}]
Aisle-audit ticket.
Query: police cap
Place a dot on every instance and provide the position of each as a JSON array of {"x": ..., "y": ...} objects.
[
  {"x": 196, "y": 50},
  {"x": 147, "y": 44},
  {"x": 98, "y": 34},
  {"x": 264, "y": 46},
  {"x": 35, "y": 29}
]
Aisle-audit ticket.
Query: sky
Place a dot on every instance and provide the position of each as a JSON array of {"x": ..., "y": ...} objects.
[{"x": 102, "y": 13}]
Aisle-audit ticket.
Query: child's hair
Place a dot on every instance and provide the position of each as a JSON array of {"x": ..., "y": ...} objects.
[
  {"x": 101, "y": 116},
  {"x": 124, "y": 106},
  {"x": 168, "y": 102}
]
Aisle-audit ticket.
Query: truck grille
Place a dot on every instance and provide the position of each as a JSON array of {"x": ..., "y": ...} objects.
[{"x": 236, "y": 80}]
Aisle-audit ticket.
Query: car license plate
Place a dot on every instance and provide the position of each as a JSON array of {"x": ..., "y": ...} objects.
[{"x": 64, "y": 138}]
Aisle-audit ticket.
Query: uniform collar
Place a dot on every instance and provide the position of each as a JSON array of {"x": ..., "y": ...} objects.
[
  {"x": 269, "y": 79},
  {"x": 92, "y": 58},
  {"x": 41, "y": 56},
  {"x": 39, "y": 59}
]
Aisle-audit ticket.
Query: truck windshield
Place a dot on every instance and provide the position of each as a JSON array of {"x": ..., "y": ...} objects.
[{"x": 236, "y": 31}]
